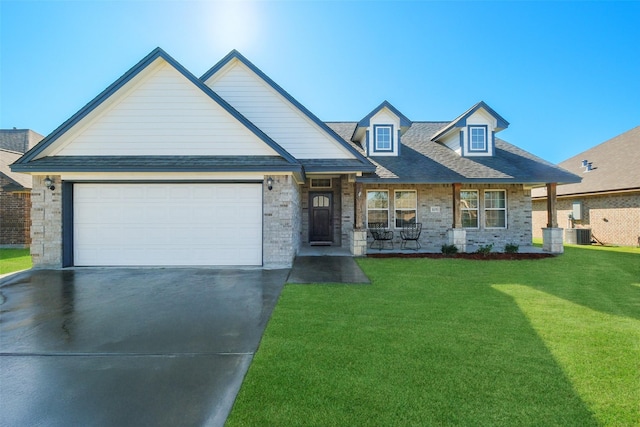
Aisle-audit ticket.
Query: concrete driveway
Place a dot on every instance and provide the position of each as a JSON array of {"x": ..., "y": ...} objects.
[{"x": 106, "y": 347}]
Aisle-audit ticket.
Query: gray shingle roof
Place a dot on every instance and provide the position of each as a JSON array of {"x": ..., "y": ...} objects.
[
  {"x": 424, "y": 161},
  {"x": 157, "y": 164},
  {"x": 615, "y": 167},
  {"x": 335, "y": 165},
  {"x": 20, "y": 140}
]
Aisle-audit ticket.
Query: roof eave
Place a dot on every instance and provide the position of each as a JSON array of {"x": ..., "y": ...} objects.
[
  {"x": 52, "y": 170},
  {"x": 401, "y": 180}
]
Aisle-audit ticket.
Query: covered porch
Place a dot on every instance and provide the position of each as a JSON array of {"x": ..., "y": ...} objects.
[{"x": 441, "y": 210}]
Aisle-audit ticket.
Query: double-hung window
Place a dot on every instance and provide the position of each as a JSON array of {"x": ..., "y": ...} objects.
[
  {"x": 378, "y": 207},
  {"x": 406, "y": 207},
  {"x": 469, "y": 208},
  {"x": 383, "y": 137},
  {"x": 477, "y": 138},
  {"x": 495, "y": 209}
]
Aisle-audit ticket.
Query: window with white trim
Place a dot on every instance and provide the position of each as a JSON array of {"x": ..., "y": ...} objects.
[
  {"x": 495, "y": 209},
  {"x": 383, "y": 138},
  {"x": 469, "y": 208},
  {"x": 377, "y": 207},
  {"x": 477, "y": 138},
  {"x": 406, "y": 207}
]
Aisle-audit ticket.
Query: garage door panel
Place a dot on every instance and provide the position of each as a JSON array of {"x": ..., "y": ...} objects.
[{"x": 167, "y": 224}]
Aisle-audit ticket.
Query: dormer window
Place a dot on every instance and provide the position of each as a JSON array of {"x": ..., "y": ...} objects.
[
  {"x": 379, "y": 133},
  {"x": 473, "y": 133},
  {"x": 478, "y": 139},
  {"x": 383, "y": 138}
]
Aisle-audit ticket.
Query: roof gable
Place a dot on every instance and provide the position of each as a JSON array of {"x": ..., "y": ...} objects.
[
  {"x": 271, "y": 108},
  {"x": 404, "y": 121},
  {"x": 461, "y": 121},
  {"x": 365, "y": 123},
  {"x": 18, "y": 181},
  {"x": 142, "y": 87}
]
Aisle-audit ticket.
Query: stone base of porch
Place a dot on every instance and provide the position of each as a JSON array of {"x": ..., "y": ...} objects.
[
  {"x": 458, "y": 238},
  {"x": 552, "y": 240},
  {"x": 359, "y": 243}
]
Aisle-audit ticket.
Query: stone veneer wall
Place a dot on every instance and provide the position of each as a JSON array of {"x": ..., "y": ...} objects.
[
  {"x": 347, "y": 219},
  {"x": 613, "y": 218},
  {"x": 15, "y": 217},
  {"x": 436, "y": 223},
  {"x": 46, "y": 223},
  {"x": 282, "y": 218}
]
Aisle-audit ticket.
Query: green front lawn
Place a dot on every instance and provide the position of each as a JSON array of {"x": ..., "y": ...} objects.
[
  {"x": 455, "y": 342},
  {"x": 14, "y": 260}
]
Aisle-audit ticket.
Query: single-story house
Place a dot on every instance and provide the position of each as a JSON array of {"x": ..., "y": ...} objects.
[
  {"x": 165, "y": 168},
  {"x": 15, "y": 188},
  {"x": 607, "y": 201}
]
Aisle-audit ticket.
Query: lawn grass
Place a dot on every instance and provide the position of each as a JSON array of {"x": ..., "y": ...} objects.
[
  {"x": 14, "y": 260},
  {"x": 455, "y": 342}
]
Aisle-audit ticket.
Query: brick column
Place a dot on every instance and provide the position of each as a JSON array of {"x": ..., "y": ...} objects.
[
  {"x": 46, "y": 223},
  {"x": 457, "y": 235},
  {"x": 281, "y": 221},
  {"x": 359, "y": 238}
]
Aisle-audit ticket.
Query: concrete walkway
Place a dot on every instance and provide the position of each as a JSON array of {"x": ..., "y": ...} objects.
[{"x": 326, "y": 269}]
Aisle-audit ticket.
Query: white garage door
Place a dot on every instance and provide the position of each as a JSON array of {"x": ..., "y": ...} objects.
[{"x": 167, "y": 224}]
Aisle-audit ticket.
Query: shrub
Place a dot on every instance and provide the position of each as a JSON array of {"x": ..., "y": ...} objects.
[
  {"x": 511, "y": 248},
  {"x": 449, "y": 249},
  {"x": 485, "y": 249}
]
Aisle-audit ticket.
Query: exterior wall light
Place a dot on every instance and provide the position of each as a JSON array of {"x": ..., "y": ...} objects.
[
  {"x": 270, "y": 183},
  {"x": 49, "y": 184}
]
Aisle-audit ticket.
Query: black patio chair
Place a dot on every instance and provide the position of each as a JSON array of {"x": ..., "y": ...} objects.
[
  {"x": 411, "y": 232},
  {"x": 380, "y": 235}
]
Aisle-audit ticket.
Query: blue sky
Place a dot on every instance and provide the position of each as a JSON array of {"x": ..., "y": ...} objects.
[{"x": 566, "y": 75}]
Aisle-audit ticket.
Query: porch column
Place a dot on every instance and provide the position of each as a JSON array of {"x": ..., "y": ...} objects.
[
  {"x": 552, "y": 213},
  {"x": 457, "y": 235},
  {"x": 457, "y": 213},
  {"x": 359, "y": 238},
  {"x": 360, "y": 203},
  {"x": 552, "y": 236}
]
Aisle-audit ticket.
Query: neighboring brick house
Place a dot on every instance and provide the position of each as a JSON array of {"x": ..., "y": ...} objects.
[
  {"x": 165, "y": 168},
  {"x": 15, "y": 188},
  {"x": 607, "y": 201}
]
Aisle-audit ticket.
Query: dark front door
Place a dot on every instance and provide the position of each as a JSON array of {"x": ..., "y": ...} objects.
[{"x": 321, "y": 218}]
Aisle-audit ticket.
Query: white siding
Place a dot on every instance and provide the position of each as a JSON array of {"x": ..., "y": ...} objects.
[
  {"x": 480, "y": 117},
  {"x": 275, "y": 115},
  {"x": 453, "y": 142},
  {"x": 165, "y": 114},
  {"x": 384, "y": 117}
]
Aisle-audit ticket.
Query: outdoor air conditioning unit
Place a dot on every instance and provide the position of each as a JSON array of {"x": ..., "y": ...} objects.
[
  {"x": 583, "y": 236},
  {"x": 577, "y": 236}
]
